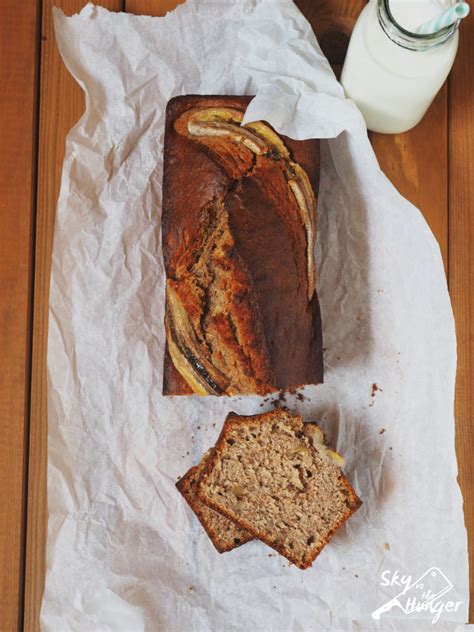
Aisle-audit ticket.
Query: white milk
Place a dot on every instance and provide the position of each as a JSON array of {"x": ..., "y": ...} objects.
[{"x": 393, "y": 86}]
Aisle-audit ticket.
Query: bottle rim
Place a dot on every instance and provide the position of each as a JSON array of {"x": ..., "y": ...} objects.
[{"x": 407, "y": 39}]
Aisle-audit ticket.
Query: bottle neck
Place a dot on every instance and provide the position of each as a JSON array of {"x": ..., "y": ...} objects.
[{"x": 407, "y": 39}]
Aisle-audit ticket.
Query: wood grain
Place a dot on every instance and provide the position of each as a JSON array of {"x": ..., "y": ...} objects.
[
  {"x": 461, "y": 264},
  {"x": 156, "y": 8},
  {"x": 18, "y": 44},
  {"x": 62, "y": 104},
  {"x": 332, "y": 21}
]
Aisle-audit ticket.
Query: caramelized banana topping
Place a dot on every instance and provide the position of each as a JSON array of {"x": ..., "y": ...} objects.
[{"x": 259, "y": 138}]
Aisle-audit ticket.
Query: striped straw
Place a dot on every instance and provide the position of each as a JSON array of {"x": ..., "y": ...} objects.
[{"x": 446, "y": 18}]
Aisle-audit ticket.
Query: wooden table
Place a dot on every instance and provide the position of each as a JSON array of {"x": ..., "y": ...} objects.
[{"x": 433, "y": 166}]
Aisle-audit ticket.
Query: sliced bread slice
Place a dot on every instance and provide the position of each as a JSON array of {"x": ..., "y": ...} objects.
[
  {"x": 266, "y": 475},
  {"x": 224, "y": 534}
]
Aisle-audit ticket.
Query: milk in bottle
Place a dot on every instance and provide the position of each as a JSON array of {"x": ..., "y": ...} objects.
[{"x": 390, "y": 72}]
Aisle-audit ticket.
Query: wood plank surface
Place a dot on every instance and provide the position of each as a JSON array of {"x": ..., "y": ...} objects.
[
  {"x": 156, "y": 8},
  {"x": 18, "y": 54},
  {"x": 332, "y": 22},
  {"x": 61, "y": 105},
  {"x": 461, "y": 264},
  {"x": 416, "y": 162}
]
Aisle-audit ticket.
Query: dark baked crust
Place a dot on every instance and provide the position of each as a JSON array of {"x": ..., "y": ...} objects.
[
  {"x": 224, "y": 534},
  {"x": 273, "y": 332},
  {"x": 353, "y": 501}
]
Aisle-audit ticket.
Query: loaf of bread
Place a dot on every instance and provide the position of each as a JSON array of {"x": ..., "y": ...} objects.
[
  {"x": 224, "y": 534},
  {"x": 239, "y": 225},
  {"x": 284, "y": 488}
]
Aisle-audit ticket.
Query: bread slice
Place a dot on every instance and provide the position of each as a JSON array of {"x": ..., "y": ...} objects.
[
  {"x": 224, "y": 534},
  {"x": 266, "y": 475}
]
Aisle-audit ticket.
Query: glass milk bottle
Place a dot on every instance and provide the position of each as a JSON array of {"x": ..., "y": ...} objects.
[{"x": 392, "y": 73}]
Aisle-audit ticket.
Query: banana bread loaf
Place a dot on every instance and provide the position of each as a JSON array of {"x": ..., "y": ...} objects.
[{"x": 239, "y": 224}]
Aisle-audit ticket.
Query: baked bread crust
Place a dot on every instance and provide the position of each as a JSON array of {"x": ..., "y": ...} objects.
[
  {"x": 274, "y": 539},
  {"x": 238, "y": 234}
]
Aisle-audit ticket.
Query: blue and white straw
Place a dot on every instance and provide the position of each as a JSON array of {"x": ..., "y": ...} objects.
[{"x": 446, "y": 18}]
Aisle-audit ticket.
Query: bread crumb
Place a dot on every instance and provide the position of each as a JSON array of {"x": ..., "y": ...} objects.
[
  {"x": 375, "y": 388},
  {"x": 191, "y": 588},
  {"x": 386, "y": 546},
  {"x": 280, "y": 402}
]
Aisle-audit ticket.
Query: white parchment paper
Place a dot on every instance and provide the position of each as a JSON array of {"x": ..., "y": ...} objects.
[{"x": 125, "y": 553}]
